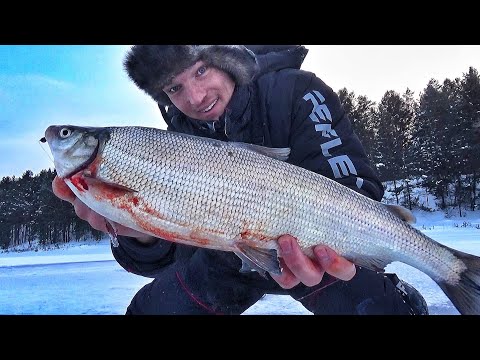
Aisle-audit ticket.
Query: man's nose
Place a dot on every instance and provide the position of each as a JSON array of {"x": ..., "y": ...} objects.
[{"x": 196, "y": 94}]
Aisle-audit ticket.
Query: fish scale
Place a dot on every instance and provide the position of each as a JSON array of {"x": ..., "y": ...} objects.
[{"x": 241, "y": 198}]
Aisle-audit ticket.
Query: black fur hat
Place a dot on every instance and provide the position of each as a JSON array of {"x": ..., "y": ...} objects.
[{"x": 151, "y": 67}]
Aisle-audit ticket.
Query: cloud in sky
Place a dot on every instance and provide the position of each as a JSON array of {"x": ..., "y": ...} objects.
[{"x": 32, "y": 81}]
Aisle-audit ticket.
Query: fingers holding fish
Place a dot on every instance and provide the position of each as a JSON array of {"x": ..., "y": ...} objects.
[
  {"x": 297, "y": 267},
  {"x": 62, "y": 191},
  {"x": 95, "y": 220},
  {"x": 333, "y": 264},
  {"x": 287, "y": 279},
  {"x": 85, "y": 213}
]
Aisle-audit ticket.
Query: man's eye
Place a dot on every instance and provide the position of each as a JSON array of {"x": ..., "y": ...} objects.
[
  {"x": 201, "y": 70},
  {"x": 174, "y": 89}
]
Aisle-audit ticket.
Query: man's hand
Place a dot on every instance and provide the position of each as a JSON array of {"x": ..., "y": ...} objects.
[
  {"x": 98, "y": 222},
  {"x": 299, "y": 268}
]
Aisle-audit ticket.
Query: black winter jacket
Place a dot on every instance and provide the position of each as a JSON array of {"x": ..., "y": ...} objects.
[{"x": 282, "y": 107}]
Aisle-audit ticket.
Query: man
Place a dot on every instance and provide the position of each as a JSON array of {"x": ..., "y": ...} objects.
[{"x": 258, "y": 95}]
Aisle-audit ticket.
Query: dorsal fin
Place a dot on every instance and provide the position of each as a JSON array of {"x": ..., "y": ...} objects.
[
  {"x": 402, "y": 213},
  {"x": 276, "y": 153}
]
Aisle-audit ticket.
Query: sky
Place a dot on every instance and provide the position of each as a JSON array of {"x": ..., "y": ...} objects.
[
  {"x": 86, "y": 85},
  {"x": 84, "y": 279}
]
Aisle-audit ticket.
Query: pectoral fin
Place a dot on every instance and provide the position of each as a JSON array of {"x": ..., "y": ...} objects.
[
  {"x": 372, "y": 263},
  {"x": 260, "y": 260},
  {"x": 91, "y": 180},
  {"x": 402, "y": 213}
]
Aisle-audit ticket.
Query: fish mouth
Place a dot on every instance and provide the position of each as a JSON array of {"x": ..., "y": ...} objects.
[{"x": 85, "y": 164}]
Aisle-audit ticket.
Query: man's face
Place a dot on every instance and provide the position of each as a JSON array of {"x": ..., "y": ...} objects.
[{"x": 201, "y": 92}]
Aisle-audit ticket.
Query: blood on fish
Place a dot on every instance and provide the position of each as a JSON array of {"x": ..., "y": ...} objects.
[
  {"x": 166, "y": 235},
  {"x": 109, "y": 192},
  {"x": 248, "y": 235},
  {"x": 93, "y": 167},
  {"x": 79, "y": 182},
  {"x": 199, "y": 238}
]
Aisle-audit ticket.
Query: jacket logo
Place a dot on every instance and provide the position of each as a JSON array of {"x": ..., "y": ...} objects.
[{"x": 341, "y": 165}]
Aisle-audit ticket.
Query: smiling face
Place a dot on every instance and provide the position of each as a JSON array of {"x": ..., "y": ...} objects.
[{"x": 201, "y": 92}]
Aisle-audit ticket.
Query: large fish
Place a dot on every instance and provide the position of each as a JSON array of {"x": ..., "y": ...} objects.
[{"x": 239, "y": 197}]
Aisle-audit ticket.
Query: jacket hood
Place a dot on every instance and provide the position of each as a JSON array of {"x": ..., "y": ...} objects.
[{"x": 278, "y": 57}]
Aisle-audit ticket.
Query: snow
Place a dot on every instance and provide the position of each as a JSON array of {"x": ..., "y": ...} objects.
[{"x": 83, "y": 277}]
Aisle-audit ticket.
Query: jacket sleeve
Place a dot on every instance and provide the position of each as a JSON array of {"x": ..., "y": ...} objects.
[
  {"x": 322, "y": 138},
  {"x": 145, "y": 260}
]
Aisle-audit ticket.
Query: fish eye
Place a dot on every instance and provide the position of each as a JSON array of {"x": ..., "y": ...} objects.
[{"x": 65, "y": 132}]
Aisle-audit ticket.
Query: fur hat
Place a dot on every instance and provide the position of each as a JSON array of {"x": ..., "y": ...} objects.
[{"x": 151, "y": 67}]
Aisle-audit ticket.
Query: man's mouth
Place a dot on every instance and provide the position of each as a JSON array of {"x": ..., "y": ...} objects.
[{"x": 210, "y": 107}]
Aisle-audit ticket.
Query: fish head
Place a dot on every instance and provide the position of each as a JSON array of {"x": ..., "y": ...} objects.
[{"x": 73, "y": 147}]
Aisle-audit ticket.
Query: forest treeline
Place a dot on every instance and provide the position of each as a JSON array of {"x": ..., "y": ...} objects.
[
  {"x": 434, "y": 138},
  {"x": 30, "y": 211}
]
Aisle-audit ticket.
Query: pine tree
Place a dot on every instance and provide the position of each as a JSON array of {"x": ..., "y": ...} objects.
[
  {"x": 395, "y": 115},
  {"x": 363, "y": 117},
  {"x": 468, "y": 145}
]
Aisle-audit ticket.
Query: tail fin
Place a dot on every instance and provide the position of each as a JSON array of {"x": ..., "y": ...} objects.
[{"x": 465, "y": 295}]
